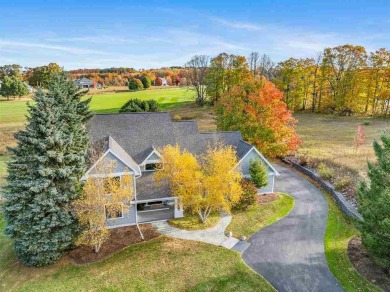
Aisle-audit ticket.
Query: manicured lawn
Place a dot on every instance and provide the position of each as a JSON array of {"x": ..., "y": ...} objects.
[
  {"x": 245, "y": 223},
  {"x": 193, "y": 222},
  {"x": 339, "y": 231},
  {"x": 163, "y": 264},
  {"x": 13, "y": 112}
]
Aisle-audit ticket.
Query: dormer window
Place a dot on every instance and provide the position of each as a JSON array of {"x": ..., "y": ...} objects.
[
  {"x": 152, "y": 166},
  {"x": 152, "y": 162}
]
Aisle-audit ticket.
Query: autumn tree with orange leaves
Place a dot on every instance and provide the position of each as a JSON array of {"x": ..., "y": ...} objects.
[{"x": 258, "y": 110}]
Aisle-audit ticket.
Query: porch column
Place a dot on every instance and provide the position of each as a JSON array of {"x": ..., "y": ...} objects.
[{"x": 179, "y": 212}]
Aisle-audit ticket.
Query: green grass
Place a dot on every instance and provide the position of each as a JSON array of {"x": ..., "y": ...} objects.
[
  {"x": 193, "y": 222},
  {"x": 245, "y": 223},
  {"x": 13, "y": 112},
  {"x": 339, "y": 231},
  {"x": 163, "y": 264},
  {"x": 3, "y": 168}
]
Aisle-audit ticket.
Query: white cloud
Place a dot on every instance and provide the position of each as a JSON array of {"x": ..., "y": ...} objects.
[
  {"x": 74, "y": 50},
  {"x": 238, "y": 25}
]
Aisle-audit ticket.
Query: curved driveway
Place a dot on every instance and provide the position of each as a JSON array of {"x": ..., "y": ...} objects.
[{"x": 290, "y": 253}]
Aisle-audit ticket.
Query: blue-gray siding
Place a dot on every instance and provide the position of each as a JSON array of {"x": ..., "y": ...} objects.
[{"x": 129, "y": 218}]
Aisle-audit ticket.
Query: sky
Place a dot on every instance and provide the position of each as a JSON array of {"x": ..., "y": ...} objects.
[{"x": 153, "y": 34}]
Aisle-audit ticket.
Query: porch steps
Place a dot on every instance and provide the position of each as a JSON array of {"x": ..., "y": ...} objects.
[{"x": 229, "y": 242}]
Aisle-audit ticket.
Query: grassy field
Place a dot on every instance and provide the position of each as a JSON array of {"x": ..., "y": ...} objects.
[
  {"x": 163, "y": 264},
  {"x": 339, "y": 231},
  {"x": 258, "y": 216},
  {"x": 332, "y": 138}
]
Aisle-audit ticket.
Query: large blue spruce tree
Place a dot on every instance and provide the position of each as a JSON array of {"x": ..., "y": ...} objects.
[{"x": 44, "y": 174}]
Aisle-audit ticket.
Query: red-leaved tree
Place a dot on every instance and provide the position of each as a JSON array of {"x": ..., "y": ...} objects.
[{"x": 260, "y": 113}]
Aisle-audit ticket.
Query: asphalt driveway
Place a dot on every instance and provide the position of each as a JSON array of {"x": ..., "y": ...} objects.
[{"x": 290, "y": 253}]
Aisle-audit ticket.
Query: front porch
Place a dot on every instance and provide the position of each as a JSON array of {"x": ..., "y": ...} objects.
[{"x": 158, "y": 210}]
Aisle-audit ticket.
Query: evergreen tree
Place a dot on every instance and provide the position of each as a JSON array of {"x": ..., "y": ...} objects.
[
  {"x": 258, "y": 173},
  {"x": 146, "y": 82},
  {"x": 374, "y": 205},
  {"x": 44, "y": 174}
]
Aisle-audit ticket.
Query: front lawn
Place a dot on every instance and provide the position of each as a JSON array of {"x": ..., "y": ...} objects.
[
  {"x": 163, "y": 264},
  {"x": 193, "y": 222},
  {"x": 245, "y": 223},
  {"x": 339, "y": 231}
]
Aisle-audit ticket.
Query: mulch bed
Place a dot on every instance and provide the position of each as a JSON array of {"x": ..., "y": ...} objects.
[
  {"x": 119, "y": 239},
  {"x": 366, "y": 266},
  {"x": 261, "y": 199}
]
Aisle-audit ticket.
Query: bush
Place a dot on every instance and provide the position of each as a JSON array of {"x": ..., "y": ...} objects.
[
  {"x": 325, "y": 172},
  {"x": 258, "y": 173},
  {"x": 146, "y": 81},
  {"x": 248, "y": 197},
  {"x": 176, "y": 118},
  {"x": 137, "y": 105},
  {"x": 366, "y": 123},
  {"x": 342, "y": 183},
  {"x": 135, "y": 84}
]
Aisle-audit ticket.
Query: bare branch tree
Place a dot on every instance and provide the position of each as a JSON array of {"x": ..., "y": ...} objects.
[
  {"x": 196, "y": 71},
  {"x": 253, "y": 61},
  {"x": 266, "y": 67}
]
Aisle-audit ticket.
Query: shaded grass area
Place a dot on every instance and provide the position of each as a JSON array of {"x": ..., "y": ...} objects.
[
  {"x": 339, "y": 231},
  {"x": 193, "y": 222},
  {"x": 256, "y": 217},
  {"x": 163, "y": 264}
]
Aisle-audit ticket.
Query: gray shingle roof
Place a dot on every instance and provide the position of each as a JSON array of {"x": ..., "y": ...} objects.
[
  {"x": 147, "y": 188},
  {"x": 138, "y": 132}
]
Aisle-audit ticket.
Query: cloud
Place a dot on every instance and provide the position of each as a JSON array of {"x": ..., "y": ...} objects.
[
  {"x": 238, "y": 25},
  {"x": 74, "y": 50},
  {"x": 100, "y": 39}
]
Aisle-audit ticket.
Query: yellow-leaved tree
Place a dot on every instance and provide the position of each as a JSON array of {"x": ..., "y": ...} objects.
[
  {"x": 104, "y": 196},
  {"x": 210, "y": 184}
]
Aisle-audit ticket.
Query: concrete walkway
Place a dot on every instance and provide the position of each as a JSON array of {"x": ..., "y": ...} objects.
[
  {"x": 214, "y": 235},
  {"x": 290, "y": 253}
]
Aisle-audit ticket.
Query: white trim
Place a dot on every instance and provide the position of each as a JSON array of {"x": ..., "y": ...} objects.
[
  {"x": 86, "y": 175},
  {"x": 154, "y": 210},
  {"x": 156, "y": 200},
  {"x": 151, "y": 153},
  {"x": 275, "y": 172},
  {"x": 109, "y": 219}
]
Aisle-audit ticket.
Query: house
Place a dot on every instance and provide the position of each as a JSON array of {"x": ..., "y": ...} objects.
[
  {"x": 132, "y": 140},
  {"x": 84, "y": 82},
  {"x": 164, "y": 82}
]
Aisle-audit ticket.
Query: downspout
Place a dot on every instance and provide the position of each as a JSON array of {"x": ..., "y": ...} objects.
[{"x": 136, "y": 209}]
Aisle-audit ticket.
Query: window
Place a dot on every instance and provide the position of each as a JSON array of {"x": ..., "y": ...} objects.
[
  {"x": 115, "y": 180},
  {"x": 152, "y": 166},
  {"x": 114, "y": 212}
]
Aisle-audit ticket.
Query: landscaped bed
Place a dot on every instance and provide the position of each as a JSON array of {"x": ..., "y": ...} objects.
[
  {"x": 119, "y": 239},
  {"x": 366, "y": 266},
  {"x": 193, "y": 222},
  {"x": 269, "y": 208}
]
